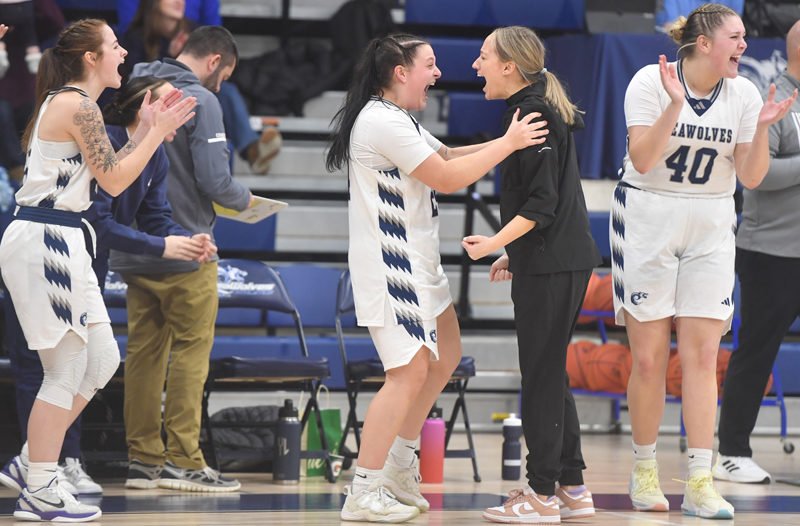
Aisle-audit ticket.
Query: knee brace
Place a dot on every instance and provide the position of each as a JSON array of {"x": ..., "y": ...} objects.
[
  {"x": 102, "y": 359},
  {"x": 64, "y": 367}
]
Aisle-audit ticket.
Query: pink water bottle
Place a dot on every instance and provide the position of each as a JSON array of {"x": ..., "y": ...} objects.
[{"x": 431, "y": 448}]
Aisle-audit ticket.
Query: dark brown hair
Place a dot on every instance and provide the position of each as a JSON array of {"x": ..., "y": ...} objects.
[{"x": 63, "y": 62}]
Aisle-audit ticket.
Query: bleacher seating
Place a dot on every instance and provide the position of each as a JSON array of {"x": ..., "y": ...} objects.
[{"x": 561, "y": 14}]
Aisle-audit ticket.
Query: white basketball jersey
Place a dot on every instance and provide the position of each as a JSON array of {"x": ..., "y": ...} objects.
[
  {"x": 698, "y": 159},
  {"x": 60, "y": 182},
  {"x": 394, "y": 258}
]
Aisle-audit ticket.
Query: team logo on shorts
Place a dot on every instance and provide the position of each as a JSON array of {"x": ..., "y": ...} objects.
[
  {"x": 433, "y": 335},
  {"x": 637, "y": 298},
  {"x": 83, "y": 319}
]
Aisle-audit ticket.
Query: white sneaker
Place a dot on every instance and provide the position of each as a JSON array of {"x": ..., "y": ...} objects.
[
  {"x": 64, "y": 481},
  {"x": 53, "y": 503},
  {"x": 644, "y": 489},
  {"x": 701, "y": 498},
  {"x": 740, "y": 469},
  {"x": 375, "y": 504},
  {"x": 14, "y": 474},
  {"x": 80, "y": 480},
  {"x": 404, "y": 484}
]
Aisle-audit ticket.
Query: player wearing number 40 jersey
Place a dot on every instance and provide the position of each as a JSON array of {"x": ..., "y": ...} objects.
[{"x": 693, "y": 128}]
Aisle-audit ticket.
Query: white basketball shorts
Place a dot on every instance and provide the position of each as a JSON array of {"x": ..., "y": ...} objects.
[
  {"x": 672, "y": 255},
  {"x": 397, "y": 344}
]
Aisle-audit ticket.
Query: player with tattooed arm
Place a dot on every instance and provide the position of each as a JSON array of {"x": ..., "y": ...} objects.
[{"x": 44, "y": 254}]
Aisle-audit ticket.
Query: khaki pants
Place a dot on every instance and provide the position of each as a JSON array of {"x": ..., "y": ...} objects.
[{"x": 170, "y": 334}]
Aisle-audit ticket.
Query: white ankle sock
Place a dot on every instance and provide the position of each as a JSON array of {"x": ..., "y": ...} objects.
[
  {"x": 23, "y": 455},
  {"x": 40, "y": 474},
  {"x": 699, "y": 458},
  {"x": 644, "y": 451},
  {"x": 403, "y": 452},
  {"x": 363, "y": 477}
]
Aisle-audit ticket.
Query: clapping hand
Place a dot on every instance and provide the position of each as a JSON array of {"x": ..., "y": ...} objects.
[
  {"x": 773, "y": 111},
  {"x": 168, "y": 113},
  {"x": 670, "y": 81}
]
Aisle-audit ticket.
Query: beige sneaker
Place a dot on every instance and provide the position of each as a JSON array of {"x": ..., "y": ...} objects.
[
  {"x": 577, "y": 507},
  {"x": 404, "y": 484},
  {"x": 644, "y": 489},
  {"x": 701, "y": 498},
  {"x": 524, "y": 506},
  {"x": 375, "y": 504}
]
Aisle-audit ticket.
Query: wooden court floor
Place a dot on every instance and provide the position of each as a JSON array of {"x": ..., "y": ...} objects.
[{"x": 459, "y": 500}]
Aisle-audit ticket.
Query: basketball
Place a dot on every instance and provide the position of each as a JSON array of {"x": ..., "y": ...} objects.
[
  {"x": 674, "y": 374},
  {"x": 577, "y": 356},
  {"x": 588, "y": 301},
  {"x": 604, "y": 297},
  {"x": 608, "y": 368}
]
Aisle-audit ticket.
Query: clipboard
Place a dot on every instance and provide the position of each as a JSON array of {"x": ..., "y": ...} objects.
[{"x": 261, "y": 209}]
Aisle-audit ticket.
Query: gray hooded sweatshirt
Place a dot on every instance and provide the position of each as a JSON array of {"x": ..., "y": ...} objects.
[
  {"x": 199, "y": 172},
  {"x": 771, "y": 212}
]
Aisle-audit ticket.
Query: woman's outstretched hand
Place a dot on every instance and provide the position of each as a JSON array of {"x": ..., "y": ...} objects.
[
  {"x": 771, "y": 111},
  {"x": 523, "y": 133},
  {"x": 670, "y": 81}
]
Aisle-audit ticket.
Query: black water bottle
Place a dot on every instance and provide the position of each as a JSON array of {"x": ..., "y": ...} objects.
[
  {"x": 286, "y": 461},
  {"x": 512, "y": 449}
]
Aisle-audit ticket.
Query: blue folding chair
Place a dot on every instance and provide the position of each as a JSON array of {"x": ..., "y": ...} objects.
[
  {"x": 368, "y": 372},
  {"x": 244, "y": 284}
]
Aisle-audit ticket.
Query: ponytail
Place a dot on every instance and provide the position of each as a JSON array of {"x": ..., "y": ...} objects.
[
  {"x": 373, "y": 73},
  {"x": 64, "y": 63},
  {"x": 556, "y": 95}
]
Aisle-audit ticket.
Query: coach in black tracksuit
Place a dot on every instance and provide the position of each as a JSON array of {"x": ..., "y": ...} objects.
[{"x": 551, "y": 263}]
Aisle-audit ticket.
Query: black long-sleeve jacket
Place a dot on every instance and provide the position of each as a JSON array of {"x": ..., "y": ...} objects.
[{"x": 542, "y": 183}]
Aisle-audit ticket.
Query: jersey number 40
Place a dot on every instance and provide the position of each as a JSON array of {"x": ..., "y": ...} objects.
[{"x": 677, "y": 162}]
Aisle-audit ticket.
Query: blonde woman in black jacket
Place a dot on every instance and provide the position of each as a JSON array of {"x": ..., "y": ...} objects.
[{"x": 549, "y": 257}]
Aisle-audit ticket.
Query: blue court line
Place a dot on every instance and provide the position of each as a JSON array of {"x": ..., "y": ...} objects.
[{"x": 230, "y": 502}]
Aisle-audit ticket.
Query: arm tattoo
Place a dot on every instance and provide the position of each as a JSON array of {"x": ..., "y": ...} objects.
[
  {"x": 90, "y": 122},
  {"x": 129, "y": 147}
]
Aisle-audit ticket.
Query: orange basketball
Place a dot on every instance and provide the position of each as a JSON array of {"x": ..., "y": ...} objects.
[
  {"x": 577, "y": 356},
  {"x": 608, "y": 368},
  {"x": 604, "y": 297},
  {"x": 674, "y": 374},
  {"x": 588, "y": 301}
]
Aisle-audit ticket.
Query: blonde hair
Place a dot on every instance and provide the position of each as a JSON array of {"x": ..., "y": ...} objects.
[
  {"x": 522, "y": 46},
  {"x": 702, "y": 21}
]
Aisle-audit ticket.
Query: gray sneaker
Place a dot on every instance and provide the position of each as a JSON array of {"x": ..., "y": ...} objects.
[
  {"x": 142, "y": 476},
  {"x": 375, "y": 504},
  {"x": 206, "y": 479},
  {"x": 403, "y": 483}
]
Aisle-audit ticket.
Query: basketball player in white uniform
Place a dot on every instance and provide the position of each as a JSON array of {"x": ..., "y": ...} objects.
[
  {"x": 400, "y": 290},
  {"x": 693, "y": 127},
  {"x": 44, "y": 255}
]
